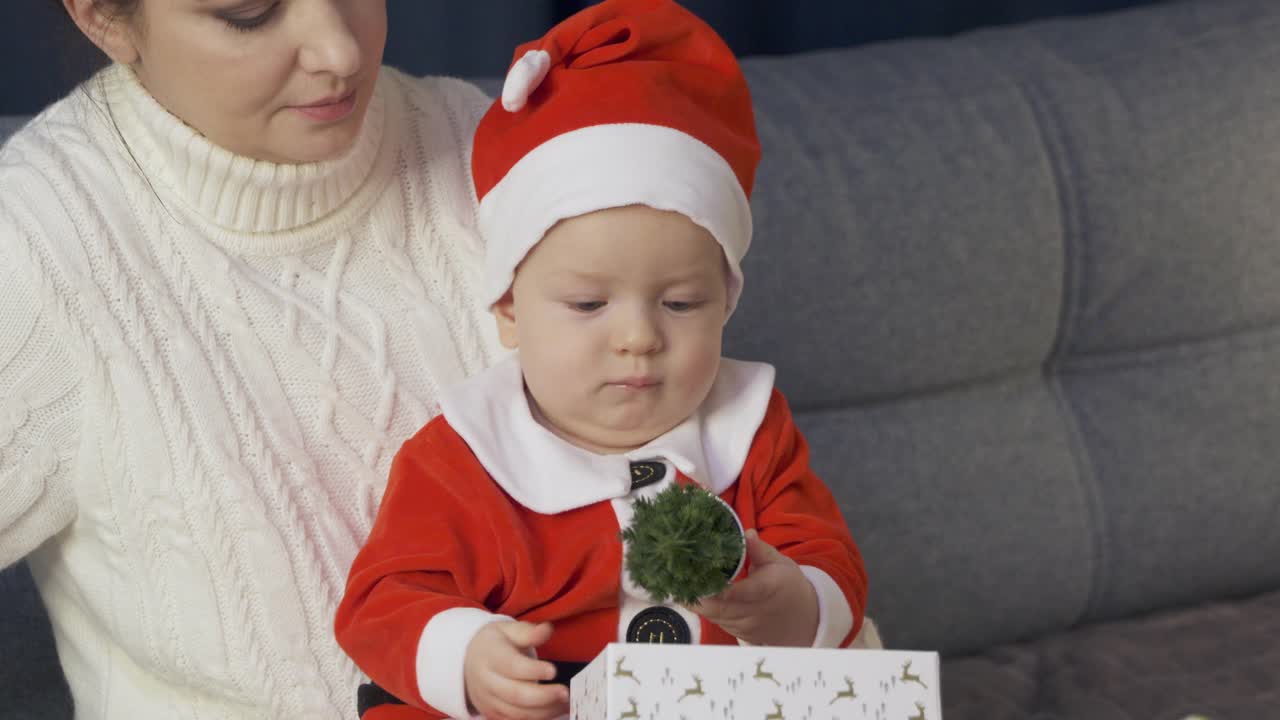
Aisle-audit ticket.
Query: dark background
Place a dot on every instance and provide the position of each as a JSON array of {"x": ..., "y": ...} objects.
[{"x": 42, "y": 58}]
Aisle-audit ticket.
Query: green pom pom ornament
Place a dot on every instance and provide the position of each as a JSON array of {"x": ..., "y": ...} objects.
[{"x": 683, "y": 544}]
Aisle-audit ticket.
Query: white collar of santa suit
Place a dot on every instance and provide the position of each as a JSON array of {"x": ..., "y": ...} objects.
[{"x": 549, "y": 475}]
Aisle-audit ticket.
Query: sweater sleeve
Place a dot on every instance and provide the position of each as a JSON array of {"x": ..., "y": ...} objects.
[
  {"x": 797, "y": 514},
  {"x": 40, "y": 412},
  {"x": 417, "y": 591}
]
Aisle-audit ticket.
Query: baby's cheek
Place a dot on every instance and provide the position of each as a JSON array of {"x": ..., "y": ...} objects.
[{"x": 702, "y": 371}]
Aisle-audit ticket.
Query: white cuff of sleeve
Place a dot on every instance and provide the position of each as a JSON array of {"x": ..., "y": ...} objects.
[
  {"x": 835, "y": 619},
  {"x": 442, "y": 650}
]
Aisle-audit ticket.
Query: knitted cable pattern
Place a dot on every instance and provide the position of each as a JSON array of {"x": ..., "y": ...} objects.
[{"x": 201, "y": 390}]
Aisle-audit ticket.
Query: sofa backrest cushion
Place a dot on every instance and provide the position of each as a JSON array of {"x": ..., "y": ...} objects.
[{"x": 1022, "y": 287}]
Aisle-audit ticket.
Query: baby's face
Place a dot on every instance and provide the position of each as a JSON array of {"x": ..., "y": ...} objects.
[{"x": 618, "y": 316}]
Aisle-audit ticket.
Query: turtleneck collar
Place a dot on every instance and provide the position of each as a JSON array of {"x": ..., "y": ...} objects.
[{"x": 254, "y": 206}]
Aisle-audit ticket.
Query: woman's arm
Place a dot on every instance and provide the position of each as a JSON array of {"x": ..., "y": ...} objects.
[{"x": 41, "y": 401}]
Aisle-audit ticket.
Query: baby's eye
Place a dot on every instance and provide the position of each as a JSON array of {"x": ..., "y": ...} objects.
[
  {"x": 586, "y": 306},
  {"x": 681, "y": 306}
]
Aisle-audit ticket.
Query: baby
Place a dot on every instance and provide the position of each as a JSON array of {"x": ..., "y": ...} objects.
[{"x": 613, "y": 178}]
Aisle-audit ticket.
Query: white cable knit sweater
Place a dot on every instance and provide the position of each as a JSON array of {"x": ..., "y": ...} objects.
[{"x": 204, "y": 374}]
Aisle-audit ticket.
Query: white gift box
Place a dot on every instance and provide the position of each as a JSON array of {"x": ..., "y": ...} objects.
[{"x": 726, "y": 682}]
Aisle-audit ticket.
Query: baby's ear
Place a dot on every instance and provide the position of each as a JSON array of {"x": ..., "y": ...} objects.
[{"x": 504, "y": 311}]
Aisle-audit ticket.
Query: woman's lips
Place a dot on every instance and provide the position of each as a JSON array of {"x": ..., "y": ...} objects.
[{"x": 329, "y": 110}]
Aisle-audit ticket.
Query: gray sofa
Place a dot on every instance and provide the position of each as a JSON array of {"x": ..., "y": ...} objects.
[{"x": 1023, "y": 289}]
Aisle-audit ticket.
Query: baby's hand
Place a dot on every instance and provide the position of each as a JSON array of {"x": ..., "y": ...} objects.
[
  {"x": 774, "y": 605},
  {"x": 501, "y": 679}
]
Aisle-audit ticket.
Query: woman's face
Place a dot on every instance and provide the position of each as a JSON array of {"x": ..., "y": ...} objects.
[{"x": 286, "y": 81}]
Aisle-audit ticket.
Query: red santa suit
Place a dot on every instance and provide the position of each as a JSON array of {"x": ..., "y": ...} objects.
[{"x": 489, "y": 516}]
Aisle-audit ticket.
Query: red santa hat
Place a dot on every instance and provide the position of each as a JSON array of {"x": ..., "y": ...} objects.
[{"x": 628, "y": 102}]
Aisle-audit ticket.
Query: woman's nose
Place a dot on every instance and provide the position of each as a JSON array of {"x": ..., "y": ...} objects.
[{"x": 328, "y": 43}]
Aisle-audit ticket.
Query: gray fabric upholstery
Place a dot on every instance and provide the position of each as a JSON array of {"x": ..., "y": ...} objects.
[
  {"x": 1023, "y": 290},
  {"x": 1212, "y": 661}
]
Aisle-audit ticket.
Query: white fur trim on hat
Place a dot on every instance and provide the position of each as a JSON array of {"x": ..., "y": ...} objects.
[{"x": 607, "y": 166}]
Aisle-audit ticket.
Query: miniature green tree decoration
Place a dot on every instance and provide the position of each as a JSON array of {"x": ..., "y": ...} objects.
[{"x": 683, "y": 544}]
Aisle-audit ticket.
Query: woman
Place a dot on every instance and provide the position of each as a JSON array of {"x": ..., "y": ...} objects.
[{"x": 238, "y": 265}]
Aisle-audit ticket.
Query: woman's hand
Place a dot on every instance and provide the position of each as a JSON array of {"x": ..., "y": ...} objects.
[
  {"x": 774, "y": 605},
  {"x": 502, "y": 679}
]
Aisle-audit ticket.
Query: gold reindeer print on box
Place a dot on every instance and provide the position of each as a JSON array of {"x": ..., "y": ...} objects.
[
  {"x": 695, "y": 691},
  {"x": 846, "y": 694},
  {"x": 908, "y": 677},
  {"x": 650, "y": 682},
  {"x": 762, "y": 675},
  {"x": 618, "y": 672}
]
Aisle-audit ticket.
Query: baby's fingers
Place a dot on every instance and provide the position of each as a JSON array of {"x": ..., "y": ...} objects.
[
  {"x": 748, "y": 592},
  {"x": 526, "y": 635},
  {"x": 516, "y": 665},
  {"x": 726, "y": 603},
  {"x": 523, "y": 700}
]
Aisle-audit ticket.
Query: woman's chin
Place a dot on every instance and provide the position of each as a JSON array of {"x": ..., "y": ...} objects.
[
  {"x": 321, "y": 146},
  {"x": 298, "y": 141}
]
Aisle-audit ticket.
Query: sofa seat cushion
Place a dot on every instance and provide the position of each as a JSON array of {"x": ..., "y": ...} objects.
[{"x": 1217, "y": 660}]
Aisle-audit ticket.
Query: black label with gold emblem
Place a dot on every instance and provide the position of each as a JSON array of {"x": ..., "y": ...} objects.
[
  {"x": 658, "y": 625},
  {"x": 646, "y": 473}
]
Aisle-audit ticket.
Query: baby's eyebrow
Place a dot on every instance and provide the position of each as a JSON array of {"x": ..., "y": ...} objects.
[{"x": 589, "y": 275}]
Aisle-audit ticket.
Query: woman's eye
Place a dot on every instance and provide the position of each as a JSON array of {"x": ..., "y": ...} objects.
[
  {"x": 588, "y": 306},
  {"x": 244, "y": 22},
  {"x": 682, "y": 305}
]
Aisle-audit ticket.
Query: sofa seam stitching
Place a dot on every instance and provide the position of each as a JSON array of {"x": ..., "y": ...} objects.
[{"x": 1056, "y": 147}]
